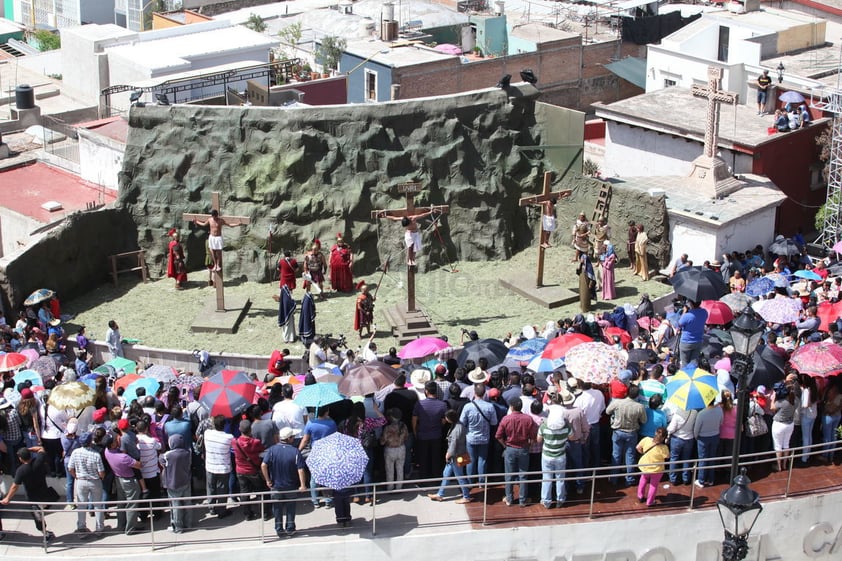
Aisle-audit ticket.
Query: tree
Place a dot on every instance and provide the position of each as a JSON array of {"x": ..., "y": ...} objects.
[
  {"x": 256, "y": 23},
  {"x": 330, "y": 51},
  {"x": 47, "y": 41},
  {"x": 291, "y": 34}
]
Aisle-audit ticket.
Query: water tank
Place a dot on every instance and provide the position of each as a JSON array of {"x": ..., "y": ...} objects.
[
  {"x": 24, "y": 97},
  {"x": 499, "y": 7},
  {"x": 388, "y": 11},
  {"x": 389, "y": 31}
]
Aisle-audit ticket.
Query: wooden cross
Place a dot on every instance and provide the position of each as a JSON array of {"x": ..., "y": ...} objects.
[
  {"x": 715, "y": 96},
  {"x": 232, "y": 221},
  {"x": 409, "y": 189},
  {"x": 545, "y": 197}
]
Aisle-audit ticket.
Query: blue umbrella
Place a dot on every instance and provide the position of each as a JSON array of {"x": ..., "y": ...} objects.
[
  {"x": 527, "y": 350},
  {"x": 318, "y": 395},
  {"x": 337, "y": 461},
  {"x": 28, "y": 376},
  {"x": 38, "y": 296},
  {"x": 808, "y": 274},
  {"x": 692, "y": 388},
  {"x": 760, "y": 287},
  {"x": 90, "y": 380},
  {"x": 779, "y": 280},
  {"x": 151, "y": 386},
  {"x": 540, "y": 364}
]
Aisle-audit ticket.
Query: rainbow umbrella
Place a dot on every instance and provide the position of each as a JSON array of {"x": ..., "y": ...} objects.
[
  {"x": 692, "y": 388},
  {"x": 228, "y": 393},
  {"x": 594, "y": 362}
]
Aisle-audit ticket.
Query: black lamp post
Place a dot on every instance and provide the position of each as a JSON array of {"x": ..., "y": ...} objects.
[
  {"x": 739, "y": 506},
  {"x": 745, "y": 333},
  {"x": 780, "y": 70}
]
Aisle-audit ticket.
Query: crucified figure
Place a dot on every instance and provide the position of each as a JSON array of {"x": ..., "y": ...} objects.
[
  {"x": 215, "y": 224},
  {"x": 411, "y": 236}
]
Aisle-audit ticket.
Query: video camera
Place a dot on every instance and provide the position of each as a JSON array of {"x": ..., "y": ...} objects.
[{"x": 329, "y": 341}]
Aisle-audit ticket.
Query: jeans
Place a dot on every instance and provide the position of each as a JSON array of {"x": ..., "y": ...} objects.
[
  {"x": 88, "y": 491},
  {"x": 592, "y": 447},
  {"x": 342, "y": 505},
  {"x": 368, "y": 474},
  {"x": 314, "y": 495},
  {"x": 623, "y": 453},
  {"x": 217, "y": 485},
  {"x": 479, "y": 458},
  {"x": 516, "y": 462},
  {"x": 279, "y": 509},
  {"x": 451, "y": 470},
  {"x": 706, "y": 447},
  {"x": 394, "y": 458},
  {"x": 829, "y": 424},
  {"x": 180, "y": 516},
  {"x": 689, "y": 352},
  {"x": 553, "y": 472},
  {"x": 68, "y": 488},
  {"x": 128, "y": 491},
  {"x": 576, "y": 458},
  {"x": 680, "y": 452},
  {"x": 807, "y": 436}
]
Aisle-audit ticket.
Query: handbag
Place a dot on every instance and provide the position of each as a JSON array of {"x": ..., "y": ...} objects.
[
  {"x": 463, "y": 460},
  {"x": 756, "y": 426}
]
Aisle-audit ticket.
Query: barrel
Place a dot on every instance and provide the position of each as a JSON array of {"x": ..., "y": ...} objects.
[{"x": 24, "y": 97}]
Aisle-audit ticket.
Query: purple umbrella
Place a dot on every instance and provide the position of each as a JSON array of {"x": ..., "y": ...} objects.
[{"x": 337, "y": 461}]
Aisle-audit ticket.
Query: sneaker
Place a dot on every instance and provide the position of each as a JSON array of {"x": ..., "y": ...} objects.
[
  {"x": 547, "y": 505},
  {"x": 82, "y": 531},
  {"x": 69, "y": 507},
  {"x": 317, "y": 505},
  {"x": 525, "y": 504},
  {"x": 290, "y": 532},
  {"x": 507, "y": 501},
  {"x": 699, "y": 484}
]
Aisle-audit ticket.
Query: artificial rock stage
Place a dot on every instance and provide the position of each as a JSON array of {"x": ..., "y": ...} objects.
[{"x": 313, "y": 172}]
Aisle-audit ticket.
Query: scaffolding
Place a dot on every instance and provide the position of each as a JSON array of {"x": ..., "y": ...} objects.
[{"x": 829, "y": 100}]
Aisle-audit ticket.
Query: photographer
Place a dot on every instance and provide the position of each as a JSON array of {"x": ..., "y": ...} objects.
[{"x": 692, "y": 326}]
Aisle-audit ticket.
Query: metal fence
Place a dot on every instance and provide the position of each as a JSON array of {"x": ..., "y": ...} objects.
[{"x": 154, "y": 539}]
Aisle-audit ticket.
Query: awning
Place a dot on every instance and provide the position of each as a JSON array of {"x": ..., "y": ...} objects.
[{"x": 630, "y": 69}]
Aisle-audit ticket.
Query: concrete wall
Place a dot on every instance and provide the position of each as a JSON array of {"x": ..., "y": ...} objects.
[
  {"x": 14, "y": 231},
  {"x": 100, "y": 158},
  {"x": 801, "y": 37},
  {"x": 84, "y": 62},
  {"x": 687, "y": 69}
]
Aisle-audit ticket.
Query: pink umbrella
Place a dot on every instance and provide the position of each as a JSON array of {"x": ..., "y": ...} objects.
[
  {"x": 719, "y": 313},
  {"x": 423, "y": 346},
  {"x": 821, "y": 359},
  {"x": 31, "y": 355},
  {"x": 837, "y": 247}
]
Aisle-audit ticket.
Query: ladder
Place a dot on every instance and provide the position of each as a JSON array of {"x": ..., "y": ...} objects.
[{"x": 601, "y": 208}]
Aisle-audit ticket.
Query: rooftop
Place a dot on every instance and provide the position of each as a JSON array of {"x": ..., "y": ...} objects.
[
  {"x": 739, "y": 125},
  {"x": 26, "y": 187},
  {"x": 395, "y": 54},
  {"x": 115, "y": 128},
  {"x": 539, "y": 33}
]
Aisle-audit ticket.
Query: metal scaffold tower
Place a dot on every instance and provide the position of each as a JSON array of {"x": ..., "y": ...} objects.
[{"x": 829, "y": 100}]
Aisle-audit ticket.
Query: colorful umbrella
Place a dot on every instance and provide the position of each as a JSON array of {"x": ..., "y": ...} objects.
[
  {"x": 28, "y": 376},
  {"x": 493, "y": 350},
  {"x": 337, "y": 461},
  {"x": 71, "y": 395},
  {"x": 423, "y": 346},
  {"x": 807, "y": 274},
  {"x": 367, "y": 378},
  {"x": 45, "y": 366},
  {"x": 541, "y": 364},
  {"x": 150, "y": 385},
  {"x": 594, "y": 362},
  {"x": 12, "y": 361},
  {"x": 527, "y": 350},
  {"x": 692, "y": 388},
  {"x": 164, "y": 374},
  {"x": 778, "y": 279},
  {"x": 821, "y": 359},
  {"x": 38, "y": 296},
  {"x": 737, "y": 301},
  {"x": 699, "y": 284},
  {"x": 718, "y": 312},
  {"x": 558, "y": 347},
  {"x": 31, "y": 355},
  {"x": 760, "y": 287},
  {"x": 828, "y": 313},
  {"x": 318, "y": 395},
  {"x": 125, "y": 381},
  {"x": 778, "y": 310},
  {"x": 624, "y": 336},
  {"x": 228, "y": 393},
  {"x": 327, "y": 373}
]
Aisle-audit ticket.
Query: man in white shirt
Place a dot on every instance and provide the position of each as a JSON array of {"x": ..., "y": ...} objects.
[
  {"x": 114, "y": 340},
  {"x": 288, "y": 414},
  {"x": 217, "y": 445},
  {"x": 150, "y": 470},
  {"x": 592, "y": 403}
]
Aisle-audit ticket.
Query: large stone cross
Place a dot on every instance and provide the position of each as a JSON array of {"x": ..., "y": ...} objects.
[
  {"x": 232, "y": 221},
  {"x": 409, "y": 189},
  {"x": 716, "y": 180},
  {"x": 545, "y": 197}
]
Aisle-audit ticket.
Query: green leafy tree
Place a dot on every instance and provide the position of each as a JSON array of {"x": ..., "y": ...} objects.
[
  {"x": 256, "y": 23},
  {"x": 48, "y": 41},
  {"x": 330, "y": 51}
]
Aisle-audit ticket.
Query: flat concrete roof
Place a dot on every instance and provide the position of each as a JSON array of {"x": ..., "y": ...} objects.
[
  {"x": 8, "y": 26},
  {"x": 99, "y": 32},
  {"x": 766, "y": 17},
  {"x": 115, "y": 128},
  {"x": 27, "y": 187},
  {"x": 539, "y": 33},
  {"x": 677, "y": 111},
  {"x": 684, "y": 198},
  {"x": 395, "y": 54}
]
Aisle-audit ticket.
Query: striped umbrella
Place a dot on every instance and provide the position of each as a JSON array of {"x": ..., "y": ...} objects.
[
  {"x": 228, "y": 393},
  {"x": 692, "y": 388}
]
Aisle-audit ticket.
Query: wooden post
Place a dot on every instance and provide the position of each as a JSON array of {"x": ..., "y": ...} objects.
[
  {"x": 544, "y": 200},
  {"x": 230, "y": 221}
]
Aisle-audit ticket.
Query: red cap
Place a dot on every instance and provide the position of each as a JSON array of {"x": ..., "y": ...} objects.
[
  {"x": 123, "y": 424},
  {"x": 171, "y": 232},
  {"x": 26, "y": 393},
  {"x": 493, "y": 393},
  {"x": 360, "y": 284}
]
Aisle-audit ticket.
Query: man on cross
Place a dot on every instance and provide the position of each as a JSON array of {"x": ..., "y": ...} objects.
[
  {"x": 216, "y": 222},
  {"x": 411, "y": 236}
]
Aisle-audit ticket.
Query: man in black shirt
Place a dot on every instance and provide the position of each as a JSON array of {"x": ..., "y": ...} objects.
[
  {"x": 404, "y": 399},
  {"x": 32, "y": 474}
]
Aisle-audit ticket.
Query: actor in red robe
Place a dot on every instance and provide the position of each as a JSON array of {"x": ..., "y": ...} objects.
[
  {"x": 341, "y": 259},
  {"x": 287, "y": 268},
  {"x": 176, "y": 266}
]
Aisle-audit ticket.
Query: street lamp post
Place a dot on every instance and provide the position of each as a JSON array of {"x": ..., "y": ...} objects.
[
  {"x": 739, "y": 506},
  {"x": 780, "y": 70},
  {"x": 745, "y": 334}
]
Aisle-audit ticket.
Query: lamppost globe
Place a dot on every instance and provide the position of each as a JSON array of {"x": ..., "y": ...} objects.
[
  {"x": 746, "y": 332},
  {"x": 739, "y": 506}
]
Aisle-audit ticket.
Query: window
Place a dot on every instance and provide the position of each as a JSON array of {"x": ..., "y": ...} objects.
[
  {"x": 370, "y": 85},
  {"x": 669, "y": 83},
  {"x": 722, "y": 51}
]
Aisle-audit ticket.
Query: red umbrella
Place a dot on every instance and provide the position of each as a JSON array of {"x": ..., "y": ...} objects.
[
  {"x": 828, "y": 313},
  {"x": 558, "y": 347},
  {"x": 624, "y": 336},
  {"x": 818, "y": 359},
  {"x": 719, "y": 313},
  {"x": 228, "y": 393},
  {"x": 125, "y": 381},
  {"x": 11, "y": 361}
]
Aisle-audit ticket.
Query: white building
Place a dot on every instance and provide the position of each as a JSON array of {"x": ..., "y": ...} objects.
[
  {"x": 62, "y": 13},
  {"x": 99, "y": 56}
]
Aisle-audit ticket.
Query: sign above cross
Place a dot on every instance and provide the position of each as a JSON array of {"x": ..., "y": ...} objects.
[
  {"x": 545, "y": 200},
  {"x": 412, "y": 237},
  {"x": 226, "y": 221}
]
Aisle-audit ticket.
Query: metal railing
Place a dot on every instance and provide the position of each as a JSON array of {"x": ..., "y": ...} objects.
[{"x": 378, "y": 491}]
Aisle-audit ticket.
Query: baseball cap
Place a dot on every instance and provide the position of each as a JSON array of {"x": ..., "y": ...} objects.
[{"x": 286, "y": 433}]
